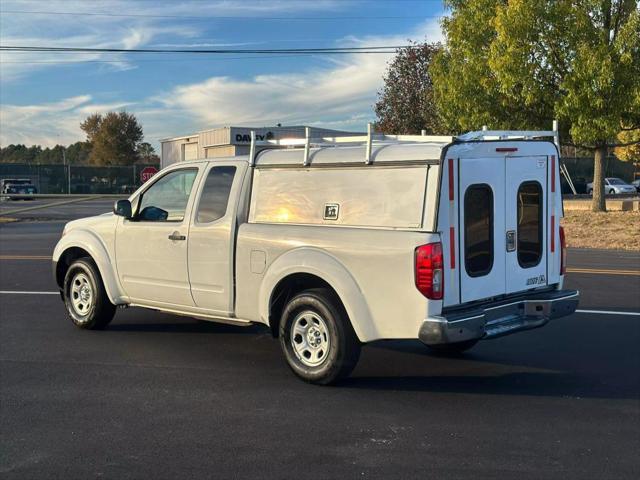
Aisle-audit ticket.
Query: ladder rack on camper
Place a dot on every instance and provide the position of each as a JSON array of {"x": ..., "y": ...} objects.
[
  {"x": 324, "y": 142},
  {"x": 378, "y": 138},
  {"x": 370, "y": 138}
]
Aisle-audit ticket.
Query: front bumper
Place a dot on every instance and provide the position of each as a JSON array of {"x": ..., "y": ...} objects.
[{"x": 500, "y": 318}]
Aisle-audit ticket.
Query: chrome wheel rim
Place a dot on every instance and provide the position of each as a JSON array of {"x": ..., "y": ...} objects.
[
  {"x": 310, "y": 338},
  {"x": 81, "y": 294}
]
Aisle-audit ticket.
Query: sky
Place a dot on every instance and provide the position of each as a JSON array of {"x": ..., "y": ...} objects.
[{"x": 45, "y": 96}]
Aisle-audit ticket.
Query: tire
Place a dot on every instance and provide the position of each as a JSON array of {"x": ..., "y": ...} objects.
[
  {"x": 87, "y": 303},
  {"x": 317, "y": 316},
  {"x": 612, "y": 192},
  {"x": 453, "y": 349}
]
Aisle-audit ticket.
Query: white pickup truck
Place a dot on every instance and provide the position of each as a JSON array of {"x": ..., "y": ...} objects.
[{"x": 333, "y": 243}]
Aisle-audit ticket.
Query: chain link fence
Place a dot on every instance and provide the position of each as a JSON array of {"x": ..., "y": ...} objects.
[
  {"x": 81, "y": 179},
  {"x": 581, "y": 171},
  {"x": 77, "y": 179}
]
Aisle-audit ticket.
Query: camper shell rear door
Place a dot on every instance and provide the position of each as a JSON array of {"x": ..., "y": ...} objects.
[{"x": 498, "y": 215}]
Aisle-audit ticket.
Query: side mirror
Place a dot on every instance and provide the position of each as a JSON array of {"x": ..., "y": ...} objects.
[{"x": 122, "y": 208}]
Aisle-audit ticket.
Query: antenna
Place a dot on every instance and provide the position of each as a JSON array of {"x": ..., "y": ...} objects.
[
  {"x": 252, "y": 149},
  {"x": 367, "y": 159},
  {"x": 307, "y": 139}
]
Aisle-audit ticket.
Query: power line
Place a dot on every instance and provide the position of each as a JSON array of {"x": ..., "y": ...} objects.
[
  {"x": 276, "y": 51},
  {"x": 164, "y": 60},
  {"x": 222, "y": 17}
]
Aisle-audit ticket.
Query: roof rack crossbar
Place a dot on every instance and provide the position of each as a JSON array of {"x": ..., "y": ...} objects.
[{"x": 372, "y": 138}]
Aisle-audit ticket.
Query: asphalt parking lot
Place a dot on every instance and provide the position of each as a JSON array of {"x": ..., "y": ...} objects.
[{"x": 161, "y": 396}]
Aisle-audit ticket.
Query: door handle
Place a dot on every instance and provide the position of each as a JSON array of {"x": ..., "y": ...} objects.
[
  {"x": 176, "y": 236},
  {"x": 511, "y": 240}
]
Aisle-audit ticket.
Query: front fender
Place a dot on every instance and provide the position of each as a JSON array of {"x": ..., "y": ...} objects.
[
  {"x": 91, "y": 243},
  {"x": 321, "y": 264}
]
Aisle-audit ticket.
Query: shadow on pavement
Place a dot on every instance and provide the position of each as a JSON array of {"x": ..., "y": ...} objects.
[{"x": 567, "y": 385}]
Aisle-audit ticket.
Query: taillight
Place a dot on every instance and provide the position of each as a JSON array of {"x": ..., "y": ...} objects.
[
  {"x": 429, "y": 271},
  {"x": 563, "y": 252}
]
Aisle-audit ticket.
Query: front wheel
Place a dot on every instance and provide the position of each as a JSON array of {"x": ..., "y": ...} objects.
[
  {"x": 85, "y": 297},
  {"x": 612, "y": 192},
  {"x": 317, "y": 338}
]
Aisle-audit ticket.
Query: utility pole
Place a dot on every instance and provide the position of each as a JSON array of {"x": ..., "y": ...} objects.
[{"x": 68, "y": 167}]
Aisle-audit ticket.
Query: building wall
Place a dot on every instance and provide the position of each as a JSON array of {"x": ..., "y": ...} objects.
[
  {"x": 220, "y": 151},
  {"x": 231, "y": 141},
  {"x": 172, "y": 151},
  {"x": 215, "y": 137}
]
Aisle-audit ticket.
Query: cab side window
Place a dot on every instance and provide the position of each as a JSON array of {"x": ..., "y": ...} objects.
[
  {"x": 166, "y": 200},
  {"x": 215, "y": 194}
]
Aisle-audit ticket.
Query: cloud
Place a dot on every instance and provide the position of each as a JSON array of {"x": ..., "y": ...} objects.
[
  {"x": 340, "y": 93},
  {"x": 149, "y": 21},
  {"x": 49, "y": 124},
  {"x": 334, "y": 92}
]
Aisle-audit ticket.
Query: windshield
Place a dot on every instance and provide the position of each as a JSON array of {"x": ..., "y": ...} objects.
[{"x": 616, "y": 181}]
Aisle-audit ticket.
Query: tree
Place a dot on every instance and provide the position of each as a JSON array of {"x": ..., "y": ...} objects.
[
  {"x": 522, "y": 63},
  {"x": 91, "y": 126},
  {"x": 114, "y": 138},
  {"x": 629, "y": 153},
  {"x": 405, "y": 105},
  {"x": 78, "y": 153},
  {"x": 147, "y": 154}
]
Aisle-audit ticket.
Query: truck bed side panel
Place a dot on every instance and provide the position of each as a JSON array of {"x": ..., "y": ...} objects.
[{"x": 374, "y": 267}]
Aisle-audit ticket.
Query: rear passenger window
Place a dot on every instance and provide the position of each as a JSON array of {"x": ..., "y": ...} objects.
[
  {"x": 215, "y": 194},
  {"x": 478, "y": 230},
  {"x": 529, "y": 224}
]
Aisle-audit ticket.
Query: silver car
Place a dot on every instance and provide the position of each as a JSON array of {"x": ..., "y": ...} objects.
[{"x": 613, "y": 186}]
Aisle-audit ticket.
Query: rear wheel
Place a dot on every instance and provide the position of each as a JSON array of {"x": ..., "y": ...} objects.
[
  {"x": 316, "y": 337},
  {"x": 590, "y": 192},
  {"x": 453, "y": 348},
  {"x": 85, "y": 297}
]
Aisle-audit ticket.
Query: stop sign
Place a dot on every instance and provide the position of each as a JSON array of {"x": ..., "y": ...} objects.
[{"x": 147, "y": 173}]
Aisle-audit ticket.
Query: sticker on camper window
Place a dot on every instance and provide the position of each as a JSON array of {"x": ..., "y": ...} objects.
[
  {"x": 331, "y": 211},
  {"x": 542, "y": 162}
]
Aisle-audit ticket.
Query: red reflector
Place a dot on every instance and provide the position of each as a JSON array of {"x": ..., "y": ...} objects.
[
  {"x": 506, "y": 149},
  {"x": 451, "y": 179},
  {"x": 553, "y": 233},
  {"x": 429, "y": 271},
  {"x": 563, "y": 252}
]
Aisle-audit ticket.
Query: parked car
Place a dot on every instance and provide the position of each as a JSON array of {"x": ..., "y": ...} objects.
[
  {"x": 613, "y": 186},
  {"x": 18, "y": 186},
  {"x": 126, "y": 189},
  {"x": 335, "y": 246},
  {"x": 636, "y": 183}
]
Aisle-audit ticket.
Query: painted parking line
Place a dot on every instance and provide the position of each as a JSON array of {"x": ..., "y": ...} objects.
[
  {"x": 593, "y": 271},
  {"x": 22, "y": 292},
  {"x": 603, "y": 271},
  {"x": 25, "y": 257},
  {"x": 598, "y": 312},
  {"x": 609, "y": 312}
]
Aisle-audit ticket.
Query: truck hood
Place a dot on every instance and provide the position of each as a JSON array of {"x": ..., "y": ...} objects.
[{"x": 89, "y": 222}]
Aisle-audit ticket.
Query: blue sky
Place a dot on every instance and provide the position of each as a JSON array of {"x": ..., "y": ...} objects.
[{"x": 44, "y": 96}]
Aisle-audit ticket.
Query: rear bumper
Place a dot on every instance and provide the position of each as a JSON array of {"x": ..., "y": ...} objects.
[{"x": 498, "y": 319}]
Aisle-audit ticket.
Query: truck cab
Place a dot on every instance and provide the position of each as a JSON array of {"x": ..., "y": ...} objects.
[{"x": 334, "y": 243}]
